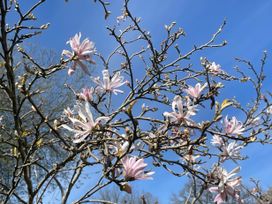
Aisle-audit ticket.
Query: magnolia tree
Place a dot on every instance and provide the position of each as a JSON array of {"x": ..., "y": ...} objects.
[{"x": 130, "y": 119}]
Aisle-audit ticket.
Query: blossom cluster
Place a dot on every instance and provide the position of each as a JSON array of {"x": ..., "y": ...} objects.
[
  {"x": 81, "y": 51},
  {"x": 149, "y": 106},
  {"x": 228, "y": 186},
  {"x": 179, "y": 122}
]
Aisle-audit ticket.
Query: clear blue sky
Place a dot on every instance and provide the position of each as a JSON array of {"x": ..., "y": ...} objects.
[{"x": 248, "y": 32}]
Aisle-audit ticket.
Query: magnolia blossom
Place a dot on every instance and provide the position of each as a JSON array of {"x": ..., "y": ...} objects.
[
  {"x": 181, "y": 114},
  {"x": 232, "y": 150},
  {"x": 215, "y": 68},
  {"x": 134, "y": 169},
  {"x": 110, "y": 84},
  {"x": 195, "y": 91},
  {"x": 233, "y": 126},
  {"x": 217, "y": 140},
  {"x": 227, "y": 186},
  {"x": 80, "y": 52},
  {"x": 87, "y": 94},
  {"x": 84, "y": 123}
]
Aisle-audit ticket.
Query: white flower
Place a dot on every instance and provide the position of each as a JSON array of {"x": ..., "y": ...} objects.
[
  {"x": 195, "y": 91},
  {"x": 217, "y": 140},
  {"x": 110, "y": 84},
  {"x": 215, "y": 68},
  {"x": 227, "y": 185},
  {"x": 233, "y": 126},
  {"x": 87, "y": 94},
  {"x": 181, "y": 111},
  {"x": 81, "y": 51},
  {"x": 84, "y": 124},
  {"x": 231, "y": 151}
]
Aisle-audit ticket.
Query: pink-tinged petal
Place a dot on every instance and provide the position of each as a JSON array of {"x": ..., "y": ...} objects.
[
  {"x": 82, "y": 114},
  {"x": 106, "y": 80},
  {"x": 72, "y": 69},
  {"x": 234, "y": 172},
  {"x": 86, "y": 94},
  {"x": 179, "y": 104},
  {"x": 149, "y": 174},
  {"x": 170, "y": 115},
  {"x": 134, "y": 169},
  {"x": 116, "y": 91},
  {"x": 235, "y": 182},
  {"x": 77, "y": 122},
  {"x": 74, "y": 43},
  {"x": 139, "y": 164},
  {"x": 69, "y": 128},
  {"x": 219, "y": 198},
  {"x": 108, "y": 84}
]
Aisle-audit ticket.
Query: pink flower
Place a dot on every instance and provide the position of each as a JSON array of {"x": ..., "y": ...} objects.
[
  {"x": 84, "y": 123},
  {"x": 227, "y": 186},
  {"x": 80, "y": 52},
  {"x": 110, "y": 84},
  {"x": 181, "y": 112},
  {"x": 233, "y": 126},
  {"x": 195, "y": 91},
  {"x": 87, "y": 94},
  {"x": 134, "y": 169}
]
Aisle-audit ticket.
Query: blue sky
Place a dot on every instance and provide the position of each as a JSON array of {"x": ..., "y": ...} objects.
[{"x": 248, "y": 33}]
